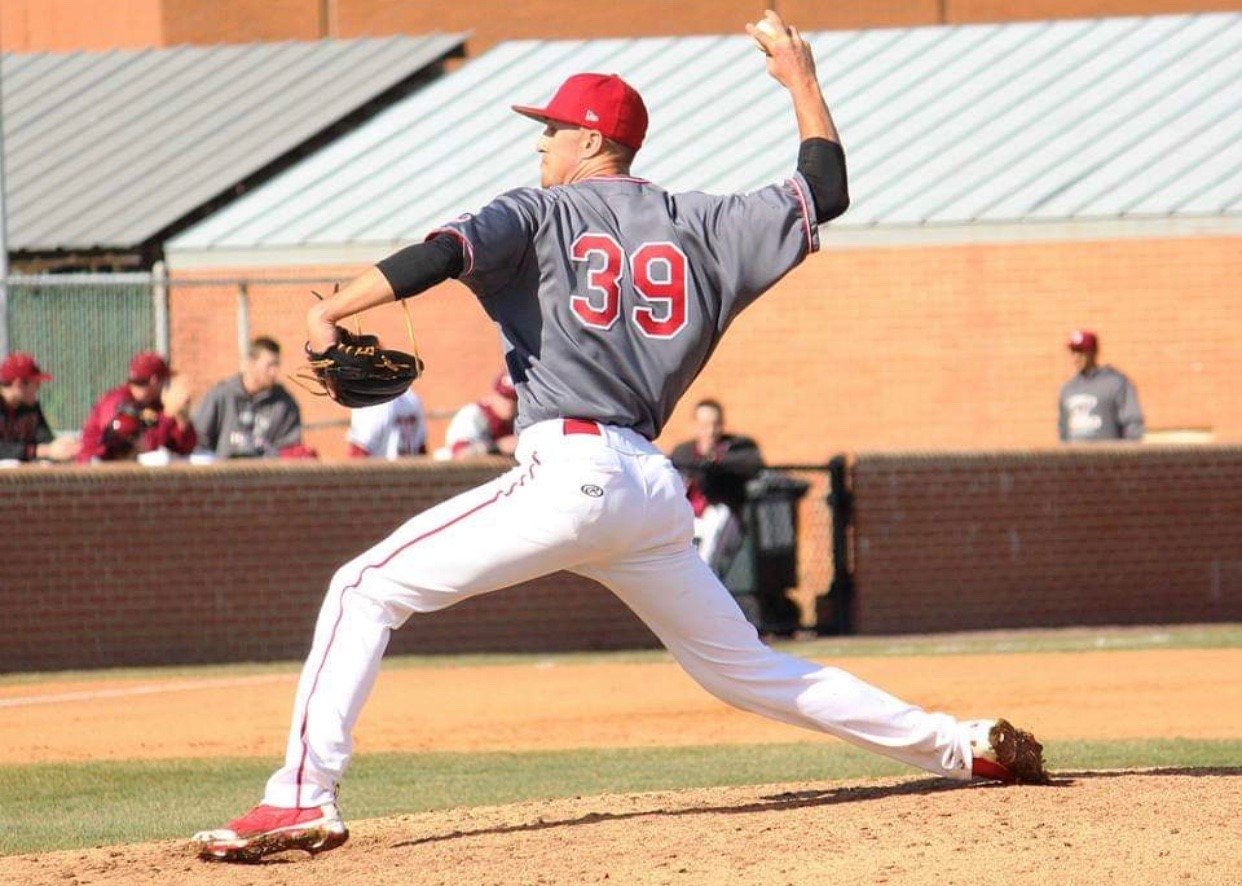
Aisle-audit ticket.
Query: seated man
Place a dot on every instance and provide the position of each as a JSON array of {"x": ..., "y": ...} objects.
[
  {"x": 250, "y": 415},
  {"x": 485, "y": 427},
  {"x": 389, "y": 430},
  {"x": 25, "y": 434},
  {"x": 150, "y": 411},
  {"x": 716, "y": 467}
]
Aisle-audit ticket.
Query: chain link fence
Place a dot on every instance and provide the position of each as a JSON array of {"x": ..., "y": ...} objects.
[{"x": 83, "y": 329}]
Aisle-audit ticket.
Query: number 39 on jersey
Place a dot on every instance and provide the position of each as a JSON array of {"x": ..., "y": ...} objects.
[{"x": 658, "y": 272}]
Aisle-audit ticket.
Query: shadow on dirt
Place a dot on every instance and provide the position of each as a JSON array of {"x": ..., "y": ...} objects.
[
  {"x": 1167, "y": 770},
  {"x": 772, "y": 803}
]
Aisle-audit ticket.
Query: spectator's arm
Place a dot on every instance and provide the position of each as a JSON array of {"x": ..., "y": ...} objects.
[
  {"x": 16, "y": 449},
  {"x": 208, "y": 418},
  {"x": 176, "y": 434},
  {"x": 93, "y": 431},
  {"x": 1130, "y": 413},
  {"x": 287, "y": 429},
  {"x": 742, "y": 458},
  {"x": 1062, "y": 420}
]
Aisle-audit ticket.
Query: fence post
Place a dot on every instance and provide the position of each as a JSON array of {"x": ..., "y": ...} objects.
[
  {"x": 243, "y": 319},
  {"x": 834, "y": 610},
  {"x": 4, "y": 250},
  {"x": 159, "y": 303}
]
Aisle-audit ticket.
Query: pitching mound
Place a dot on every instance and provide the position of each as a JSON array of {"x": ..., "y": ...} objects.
[{"x": 1153, "y": 826}]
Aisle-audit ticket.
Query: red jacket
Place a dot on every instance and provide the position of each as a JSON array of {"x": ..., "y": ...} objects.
[{"x": 118, "y": 427}]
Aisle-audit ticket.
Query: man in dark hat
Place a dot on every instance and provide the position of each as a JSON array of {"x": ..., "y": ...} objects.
[{"x": 25, "y": 434}]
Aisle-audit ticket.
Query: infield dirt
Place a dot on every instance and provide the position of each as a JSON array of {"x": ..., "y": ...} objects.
[{"x": 1169, "y": 826}]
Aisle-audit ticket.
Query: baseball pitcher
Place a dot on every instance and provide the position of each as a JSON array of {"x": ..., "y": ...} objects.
[{"x": 611, "y": 294}]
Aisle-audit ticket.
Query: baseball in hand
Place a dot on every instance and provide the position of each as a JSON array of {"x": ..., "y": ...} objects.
[{"x": 769, "y": 30}]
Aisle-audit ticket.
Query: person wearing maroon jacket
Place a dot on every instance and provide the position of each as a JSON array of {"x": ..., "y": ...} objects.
[
  {"x": 150, "y": 411},
  {"x": 25, "y": 434}
]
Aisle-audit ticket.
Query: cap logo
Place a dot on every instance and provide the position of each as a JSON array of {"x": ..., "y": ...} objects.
[{"x": 591, "y": 116}]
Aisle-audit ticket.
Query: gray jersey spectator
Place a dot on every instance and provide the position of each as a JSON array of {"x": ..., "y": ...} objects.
[
  {"x": 1098, "y": 403},
  {"x": 250, "y": 415},
  {"x": 24, "y": 432}
]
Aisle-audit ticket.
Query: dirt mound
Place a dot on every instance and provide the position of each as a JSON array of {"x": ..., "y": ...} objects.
[{"x": 1153, "y": 826}]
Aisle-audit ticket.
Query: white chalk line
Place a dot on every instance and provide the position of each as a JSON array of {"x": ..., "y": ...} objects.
[{"x": 149, "y": 689}]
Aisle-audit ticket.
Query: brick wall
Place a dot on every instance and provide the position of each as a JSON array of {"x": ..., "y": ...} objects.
[
  {"x": 1097, "y": 535},
  {"x": 123, "y": 565},
  {"x": 933, "y": 347},
  {"x": 60, "y": 25}
]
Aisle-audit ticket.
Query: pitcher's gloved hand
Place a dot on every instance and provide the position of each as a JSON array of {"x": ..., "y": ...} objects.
[{"x": 358, "y": 371}]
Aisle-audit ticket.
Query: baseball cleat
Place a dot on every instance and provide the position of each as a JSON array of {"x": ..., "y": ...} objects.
[
  {"x": 1001, "y": 752},
  {"x": 266, "y": 830}
]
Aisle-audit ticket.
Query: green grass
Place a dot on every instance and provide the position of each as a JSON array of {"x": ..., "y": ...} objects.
[
  {"x": 63, "y": 806},
  {"x": 1212, "y": 636}
]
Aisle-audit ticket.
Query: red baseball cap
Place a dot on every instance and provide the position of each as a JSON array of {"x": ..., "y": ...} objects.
[
  {"x": 147, "y": 365},
  {"x": 21, "y": 367},
  {"x": 503, "y": 385},
  {"x": 603, "y": 102},
  {"x": 1083, "y": 341}
]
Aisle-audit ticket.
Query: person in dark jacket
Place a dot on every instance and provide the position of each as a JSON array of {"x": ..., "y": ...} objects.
[
  {"x": 716, "y": 466},
  {"x": 25, "y": 434},
  {"x": 1098, "y": 403}
]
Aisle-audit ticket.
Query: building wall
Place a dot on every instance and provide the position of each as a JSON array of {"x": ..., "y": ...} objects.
[
  {"x": 897, "y": 348},
  {"x": 242, "y": 21},
  {"x": 59, "y": 25},
  {"x": 68, "y": 25},
  {"x": 1112, "y": 535},
  {"x": 124, "y": 565}
]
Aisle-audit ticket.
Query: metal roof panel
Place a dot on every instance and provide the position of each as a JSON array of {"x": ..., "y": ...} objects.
[
  {"x": 105, "y": 150},
  {"x": 968, "y": 124}
]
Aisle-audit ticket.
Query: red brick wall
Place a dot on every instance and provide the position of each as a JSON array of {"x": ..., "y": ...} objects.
[
  {"x": 123, "y": 565},
  {"x": 1093, "y": 535}
]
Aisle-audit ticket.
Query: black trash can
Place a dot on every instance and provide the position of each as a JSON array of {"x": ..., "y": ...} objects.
[{"x": 766, "y": 563}]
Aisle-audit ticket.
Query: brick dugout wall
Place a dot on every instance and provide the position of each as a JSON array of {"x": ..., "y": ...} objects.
[
  {"x": 123, "y": 565},
  {"x": 1112, "y": 535}
]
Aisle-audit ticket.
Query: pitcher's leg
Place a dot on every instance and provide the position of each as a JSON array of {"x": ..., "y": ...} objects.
[
  {"x": 484, "y": 539},
  {"x": 683, "y": 602}
]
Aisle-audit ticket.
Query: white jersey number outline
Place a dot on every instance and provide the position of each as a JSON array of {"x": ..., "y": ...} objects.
[{"x": 659, "y": 271}]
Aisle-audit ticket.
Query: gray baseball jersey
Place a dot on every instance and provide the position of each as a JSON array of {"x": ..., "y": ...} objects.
[
  {"x": 1101, "y": 405},
  {"x": 611, "y": 293}
]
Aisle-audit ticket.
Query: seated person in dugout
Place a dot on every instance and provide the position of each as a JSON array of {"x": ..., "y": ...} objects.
[
  {"x": 251, "y": 414},
  {"x": 389, "y": 430},
  {"x": 486, "y": 426},
  {"x": 25, "y": 434},
  {"x": 151, "y": 411},
  {"x": 716, "y": 466}
]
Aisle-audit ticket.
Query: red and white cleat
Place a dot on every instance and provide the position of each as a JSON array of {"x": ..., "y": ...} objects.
[
  {"x": 266, "y": 830},
  {"x": 1001, "y": 752}
]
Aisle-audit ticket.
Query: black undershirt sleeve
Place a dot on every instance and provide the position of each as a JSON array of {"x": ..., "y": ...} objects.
[
  {"x": 423, "y": 265},
  {"x": 822, "y": 164}
]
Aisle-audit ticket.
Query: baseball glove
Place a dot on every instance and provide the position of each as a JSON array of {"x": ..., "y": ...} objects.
[{"x": 358, "y": 371}]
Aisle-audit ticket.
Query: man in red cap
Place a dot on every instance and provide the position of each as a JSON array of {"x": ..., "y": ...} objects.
[
  {"x": 611, "y": 293},
  {"x": 150, "y": 411},
  {"x": 25, "y": 434},
  {"x": 486, "y": 426},
  {"x": 1098, "y": 403}
]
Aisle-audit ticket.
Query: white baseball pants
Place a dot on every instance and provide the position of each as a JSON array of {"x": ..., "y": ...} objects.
[{"x": 605, "y": 503}]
